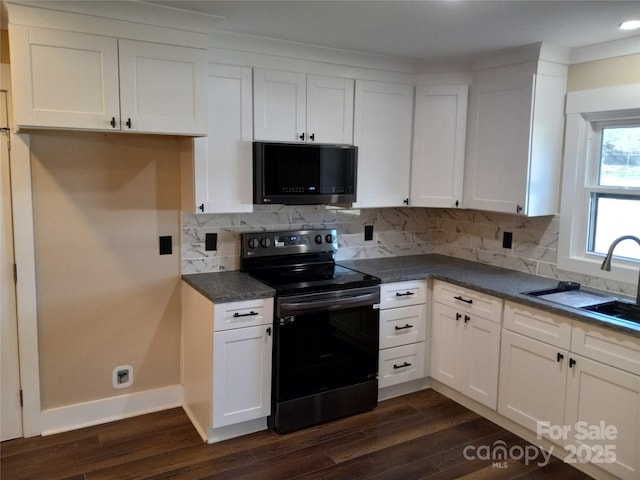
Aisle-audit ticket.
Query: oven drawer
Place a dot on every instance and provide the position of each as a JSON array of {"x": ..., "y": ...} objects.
[
  {"x": 401, "y": 364},
  {"x": 401, "y": 294},
  {"x": 403, "y": 325},
  {"x": 247, "y": 313}
]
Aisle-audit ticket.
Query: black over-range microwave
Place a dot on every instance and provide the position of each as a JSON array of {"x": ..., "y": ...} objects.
[{"x": 304, "y": 173}]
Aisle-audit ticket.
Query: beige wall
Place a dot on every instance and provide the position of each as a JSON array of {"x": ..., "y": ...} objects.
[
  {"x": 609, "y": 72},
  {"x": 4, "y": 46},
  {"x": 105, "y": 296}
]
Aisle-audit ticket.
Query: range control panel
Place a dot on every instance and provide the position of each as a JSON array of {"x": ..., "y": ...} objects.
[{"x": 262, "y": 244}]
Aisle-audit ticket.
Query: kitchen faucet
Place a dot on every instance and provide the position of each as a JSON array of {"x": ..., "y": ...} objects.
[{"x": 606, "y": 265}]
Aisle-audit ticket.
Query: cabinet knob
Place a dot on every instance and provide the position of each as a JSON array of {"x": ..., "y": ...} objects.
[
  {"x": 466, "y": 318},
  {"x": 458, "y": 316},
  {"x": 457, "y": 203},
  {"x": 113, "y": 122},
  {"x": 518, "y": 209},
  {"x": 559, "y": 357},
  {"x": 128, "y": 122},
  {"x": 406, "y": 201},
  {"x": 572, "y": 362},
  {"x": 312, "y": 137},
  {"x": 201, "y": 207},
  {"x": 302, "y": 136}
]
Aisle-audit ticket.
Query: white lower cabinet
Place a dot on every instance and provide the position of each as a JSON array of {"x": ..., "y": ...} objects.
[
  {"x": 465, "y": 346},
  {"x": 590, "y": 406},
  {"x": 226, "y": 364},
  {"x": 403, "y": 325}
]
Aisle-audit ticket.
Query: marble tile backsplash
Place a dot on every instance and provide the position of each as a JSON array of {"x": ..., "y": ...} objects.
[{"x": 468, "y": 234}]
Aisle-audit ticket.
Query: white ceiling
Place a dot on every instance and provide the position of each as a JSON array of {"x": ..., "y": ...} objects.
[{"x": 423, "y": 30}]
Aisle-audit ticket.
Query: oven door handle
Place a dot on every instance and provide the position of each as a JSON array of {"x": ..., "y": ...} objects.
[{"x": 327, "y": 304}]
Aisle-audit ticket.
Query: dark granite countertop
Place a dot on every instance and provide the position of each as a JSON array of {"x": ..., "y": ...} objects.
[
  {"x": 225, "y": 287},
  {"x": 500, "y": 282}
]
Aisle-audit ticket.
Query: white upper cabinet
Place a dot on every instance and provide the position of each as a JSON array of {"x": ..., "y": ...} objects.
[
  {"x": 383, "y": 127},
  {"x": 292, "y": 107},
  {"x": 75, "y": 80},
  {"x": 437, "y": 168},
  {"x": 217, "y": 175},
  {"x": 162, "y": 88},
  {"x": 514, "y": 145}
]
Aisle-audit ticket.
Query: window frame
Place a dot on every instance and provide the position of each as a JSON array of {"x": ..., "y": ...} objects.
[{"x": 585, "y": 110}]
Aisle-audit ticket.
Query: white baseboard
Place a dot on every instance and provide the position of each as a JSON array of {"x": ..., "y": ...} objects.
[{"x": 80, "y": 415}]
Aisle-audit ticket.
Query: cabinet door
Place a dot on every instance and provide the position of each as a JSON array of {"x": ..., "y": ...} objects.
[
  {"x": 241, "y": 375},
  {"x": 162, "y": 88},
  {"x": 532, "y": 381},
  {"x": 223, "y": 159},
  {"x": 447, "y": 347},
  {"x": 383, "y": 132},
  {"x": 481, "y": 359},
  {"x": 64, "y": 79},
  {"x": 279, "y": 105},
  {"x": 437, "y": 168},
  {"x": 600, "y": 397},
  {"x": 496, "y": 169},
  {"x": 330, "y": 109}
]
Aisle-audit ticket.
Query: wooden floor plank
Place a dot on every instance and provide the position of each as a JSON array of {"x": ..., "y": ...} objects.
[{"x": 422, "y": 436}]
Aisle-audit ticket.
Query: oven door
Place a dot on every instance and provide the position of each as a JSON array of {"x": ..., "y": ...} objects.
[{"x": 325, "y": 341}]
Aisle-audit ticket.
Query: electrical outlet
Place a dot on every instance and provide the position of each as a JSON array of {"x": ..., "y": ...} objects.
[
  {"x": 122, "y": 376},
  {"x": 166, "y": 246},
  {"x": 507, "y": 239},
  {"x": 368, "y": 233},
  {"x": 210, "y": 241}
]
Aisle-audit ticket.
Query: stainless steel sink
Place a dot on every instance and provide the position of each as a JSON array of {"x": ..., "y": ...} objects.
[
  {"x": 617, "y": 309},
  {"x": 570, "y": 295}
]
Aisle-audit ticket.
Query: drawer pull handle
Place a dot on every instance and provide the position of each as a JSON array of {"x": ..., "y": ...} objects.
[
  {"x": 469, "y": 301},
  {"x": 408, "y": 294},
  {"x": 405, "y": 327},
  {"x": 250, "y": 314},
  {"x": 405, "y": 364}
]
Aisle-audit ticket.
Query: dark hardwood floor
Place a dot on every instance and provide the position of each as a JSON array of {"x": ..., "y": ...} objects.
[{"x": 418, "y": 436}]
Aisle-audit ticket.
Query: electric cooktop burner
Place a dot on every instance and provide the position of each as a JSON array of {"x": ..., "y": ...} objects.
[{"x": 299, "y": 261}]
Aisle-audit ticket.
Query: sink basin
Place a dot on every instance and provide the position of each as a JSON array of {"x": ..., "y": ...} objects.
[
  {"x": 617, "y": 309},
  {"x": 570, "y": 295}
]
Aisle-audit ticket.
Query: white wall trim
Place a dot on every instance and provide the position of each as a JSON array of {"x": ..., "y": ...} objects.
[
  {"x": 27, "y": 306},
  {"x": 602, "y": 51},
  {"x": 623, "y": 97},
  {"x": 106, "y": 410}
]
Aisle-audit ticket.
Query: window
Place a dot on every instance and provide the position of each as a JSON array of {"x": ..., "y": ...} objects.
[
  {"x": 613, "y": 186},
  {"x": 601, "y": 182}
]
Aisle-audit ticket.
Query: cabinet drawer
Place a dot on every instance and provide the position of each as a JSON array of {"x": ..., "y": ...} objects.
[
  {"x": 543, "y": 326},
  {"x": 242, "y": 314},
  {"x": 470, "y": 301},
  {"x": 401, "y": 364},
  {"x": 607, "y": 346},
  {"x": 400, "y": 294},
  {"x": 401, "y": 326}
]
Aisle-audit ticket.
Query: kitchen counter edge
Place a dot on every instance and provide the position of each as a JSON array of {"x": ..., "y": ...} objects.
[
  {"x": 497, "y": 281},
  {"x": 227, "y": 287}
]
